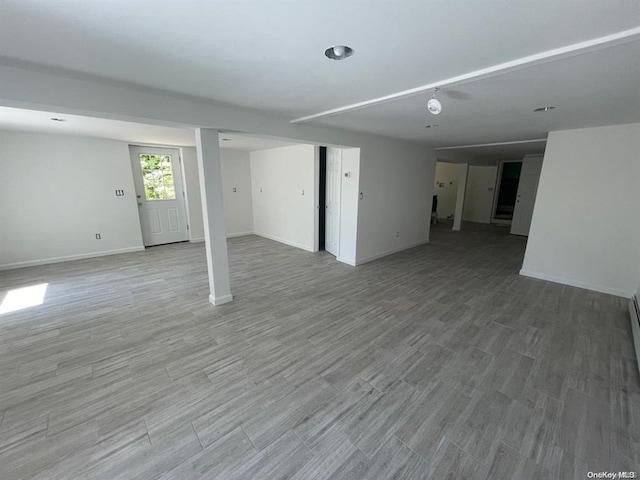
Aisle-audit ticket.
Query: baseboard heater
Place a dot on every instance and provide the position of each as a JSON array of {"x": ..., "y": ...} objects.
[{"x": 634, "y": 311}]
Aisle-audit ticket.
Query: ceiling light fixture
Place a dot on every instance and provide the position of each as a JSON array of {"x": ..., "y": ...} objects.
[
  {"x": 432, "y": 126},
  {"x": 433, "y": 105},
  {"x": 338, "y": 52},
  {"x": 544, "y": 109},
  {"x": 58, "y": 119}
]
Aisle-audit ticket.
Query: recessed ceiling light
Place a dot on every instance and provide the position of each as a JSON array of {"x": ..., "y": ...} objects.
[
  {"x": 58, "y": 119},
  {"x": 544, "y": 109},
  {"x": 338, "y": 52},
  {"x": 432, "y": 126}
]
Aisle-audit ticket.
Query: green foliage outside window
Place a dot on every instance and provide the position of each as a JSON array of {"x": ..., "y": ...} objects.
[{"x": 157, "y": 176}]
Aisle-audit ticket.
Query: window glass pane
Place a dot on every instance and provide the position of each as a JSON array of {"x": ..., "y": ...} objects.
[{"x": 157, "y": 176}]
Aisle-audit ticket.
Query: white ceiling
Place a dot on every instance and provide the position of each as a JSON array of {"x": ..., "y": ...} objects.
[
  {"x": 18, "y": 119},
  {"x": 268, "y": 56}
]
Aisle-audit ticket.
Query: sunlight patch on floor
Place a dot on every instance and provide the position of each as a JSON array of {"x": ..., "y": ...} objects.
[{"x": 25, "y": 297}]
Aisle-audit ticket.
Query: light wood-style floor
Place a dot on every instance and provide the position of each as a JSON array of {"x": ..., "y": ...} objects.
[{"x": 438, "y": 362}]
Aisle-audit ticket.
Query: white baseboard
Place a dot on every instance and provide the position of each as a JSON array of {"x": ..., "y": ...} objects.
[
  {"x": 286, "y": 242},
  {"x": 348, "y": 261},
  {"x": 221, "y": 300},
  {"x": 390, "y": 252},
  {"x": 576, "y": 283},
  {"x": 229, "y": 235},
  {"x": 239, "y": 234},
  {"x": 69, "y": 258}
]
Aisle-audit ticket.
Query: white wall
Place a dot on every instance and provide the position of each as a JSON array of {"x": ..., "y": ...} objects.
[
  {"x": 281, "y": 211},
  {"x": 396, "y": 181},
  {"x": 383, "y": 211},
  {"x": 481, "y": 182},
  {"x": 446, "y": 188},
  {"x": 586, "y": 221},
  {"x": 58, "y": 192},
  {"x": 238, "y": 210}
]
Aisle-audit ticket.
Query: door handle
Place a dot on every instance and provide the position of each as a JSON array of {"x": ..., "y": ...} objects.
[
  {"x": 138, "y": 196},
  {"x": 139, "y": 204}
]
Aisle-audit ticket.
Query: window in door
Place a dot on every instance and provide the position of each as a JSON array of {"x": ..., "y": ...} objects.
[{"x": 157, "y": 176}]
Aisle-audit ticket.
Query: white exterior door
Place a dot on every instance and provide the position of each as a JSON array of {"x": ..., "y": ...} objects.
[
  {"x": 161, "y": 205},
  {"x": 332, "y": 207},
  {"x": 526, "y": 198}
]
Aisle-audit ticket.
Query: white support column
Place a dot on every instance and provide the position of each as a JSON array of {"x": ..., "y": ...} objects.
[
  {"x": 215, "y": 238},
  {"x": 463, "y": 171}
]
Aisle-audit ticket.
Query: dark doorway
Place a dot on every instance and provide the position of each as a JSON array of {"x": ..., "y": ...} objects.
[
  {"x": 322, "y": 191},
  {"x": 508, "y": 190}
]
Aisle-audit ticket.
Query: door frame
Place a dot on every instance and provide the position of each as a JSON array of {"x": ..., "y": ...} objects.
[
  {"x": 496, "y": 193},
  {"x": 320, "y": 198},
  {"x": 183, "y": 182},
  {"x": 529, "y": 163}
]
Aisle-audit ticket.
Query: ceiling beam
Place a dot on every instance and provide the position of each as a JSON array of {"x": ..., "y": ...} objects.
[
  {"x": 496, "y": 144},
  {"x": 501, "y": 68}
]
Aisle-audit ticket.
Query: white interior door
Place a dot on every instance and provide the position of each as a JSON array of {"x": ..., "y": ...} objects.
[
  {"x": 161, "y": 206},
  {"x": 332, "y": 217},
  {"x": 526, "y": 198}
]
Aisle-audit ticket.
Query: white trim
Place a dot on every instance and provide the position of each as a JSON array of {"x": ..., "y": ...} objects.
[
  {"x": 348, "y": 261},
  {"x": 69, "y": 258},
  {"x": 493, "y": 70},
  {"x": 196, "y": 240},
  {"x": 495, "y": 144},
  {"x": 576, "y": 283},
  {"x": 390, "y": 252},
  {"x": 221, "y": 300},
  {"x": 286, "y": 242},
  {"x": 316, "y": 199}
]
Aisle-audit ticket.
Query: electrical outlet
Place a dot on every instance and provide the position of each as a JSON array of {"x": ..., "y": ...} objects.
[
  {"x": 397, "y": 234},
  {"x": 234, "y": 190},
  {"x": 98, "y": 236},
  {"x": 361, "y": 195}
]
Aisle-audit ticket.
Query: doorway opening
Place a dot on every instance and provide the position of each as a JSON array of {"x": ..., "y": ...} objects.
[
  {"x": 508, "y": 180},
  {"x": 322, "y": 196}
]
